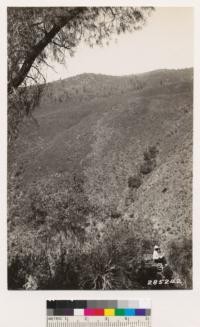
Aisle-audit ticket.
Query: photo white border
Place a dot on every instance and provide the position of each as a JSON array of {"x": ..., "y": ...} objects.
[{"x": 28, "y": 307}]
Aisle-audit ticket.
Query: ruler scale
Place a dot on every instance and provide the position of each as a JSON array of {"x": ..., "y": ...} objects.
[
  {"x": 95, "y": 322},
  {"x": 135, "y": 313}
]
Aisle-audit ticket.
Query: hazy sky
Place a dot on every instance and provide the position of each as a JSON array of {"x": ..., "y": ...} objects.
[{"x": 165, "y": 42}]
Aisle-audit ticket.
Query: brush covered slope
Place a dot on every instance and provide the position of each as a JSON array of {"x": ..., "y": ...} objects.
[{"x": 101, "y": 175}]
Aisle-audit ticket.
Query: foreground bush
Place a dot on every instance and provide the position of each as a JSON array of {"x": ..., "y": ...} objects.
[
  {"x": 45, "y": 255},
  {"x": 180, "y": 254}
]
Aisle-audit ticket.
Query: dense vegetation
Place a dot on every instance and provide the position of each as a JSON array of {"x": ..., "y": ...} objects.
[{"x": 57, "y": 240}]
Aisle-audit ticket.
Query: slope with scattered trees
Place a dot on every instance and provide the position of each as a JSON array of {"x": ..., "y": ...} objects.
[{"x": 105, "y": 178}]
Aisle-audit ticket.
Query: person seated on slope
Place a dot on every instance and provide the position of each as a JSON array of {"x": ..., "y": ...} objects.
[{"x": 158, "y": 256}]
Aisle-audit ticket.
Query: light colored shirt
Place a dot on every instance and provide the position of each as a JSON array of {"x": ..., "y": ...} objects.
[{"x": 157, "y": 255}]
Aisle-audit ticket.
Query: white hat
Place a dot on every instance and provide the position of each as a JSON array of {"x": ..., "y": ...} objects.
[{"x": 156, "y": 247}]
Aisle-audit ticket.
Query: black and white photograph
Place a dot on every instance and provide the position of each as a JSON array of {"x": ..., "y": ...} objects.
[{"x": 100, "y": 148}]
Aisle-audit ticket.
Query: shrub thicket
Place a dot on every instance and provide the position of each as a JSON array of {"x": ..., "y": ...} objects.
[
  {"x": 58, "y": 240},
  {"x": 53, "y": 243},
  {"x": 67, "y": 263},
  {"x": 180, "y": 257},
  {"x": 149, "y": 160},
  {"x": 134, "y": 181}
]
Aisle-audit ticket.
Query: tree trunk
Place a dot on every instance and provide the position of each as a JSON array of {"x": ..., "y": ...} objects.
[{"x": 40, "y": 46}]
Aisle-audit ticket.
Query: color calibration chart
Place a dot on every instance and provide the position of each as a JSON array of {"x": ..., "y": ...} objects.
[{"x": 134, "y": 313}]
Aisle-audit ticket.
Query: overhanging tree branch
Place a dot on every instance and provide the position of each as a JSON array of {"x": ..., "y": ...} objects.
[{"x": 40, "y": 46}]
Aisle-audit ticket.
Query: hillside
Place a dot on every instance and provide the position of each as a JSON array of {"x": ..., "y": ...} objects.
[{"x": 93, "y": 131}]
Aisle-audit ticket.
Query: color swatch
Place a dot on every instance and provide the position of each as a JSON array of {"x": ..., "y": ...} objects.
[{"x": 99, "y": 308}]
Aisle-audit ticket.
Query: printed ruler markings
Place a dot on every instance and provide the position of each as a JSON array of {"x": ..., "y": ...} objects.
[{"x": 90, "y": 322}]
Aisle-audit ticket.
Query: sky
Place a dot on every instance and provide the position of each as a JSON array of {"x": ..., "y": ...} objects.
[{"x": 165, "y": 42}]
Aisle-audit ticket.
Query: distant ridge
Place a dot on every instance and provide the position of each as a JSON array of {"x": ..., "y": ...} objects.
[
  {"x": 88, "y": 85},
  {"x": 162, "y": 70}
]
